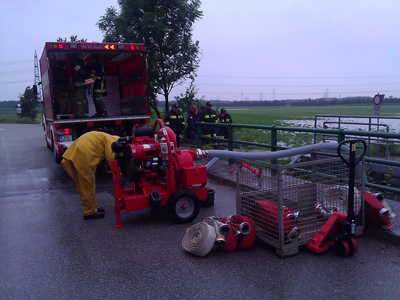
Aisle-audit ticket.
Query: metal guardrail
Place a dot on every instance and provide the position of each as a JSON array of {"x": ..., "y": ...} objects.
[
  {"x": 340, "y": 135},
  {"x": 373, "y": 124}
]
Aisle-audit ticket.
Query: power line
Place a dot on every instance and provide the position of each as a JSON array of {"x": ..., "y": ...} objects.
[
  {"x": 12, "y": 82},
  {"x": 16, "y": 62},
  {"x": 15, "y": 72},
  {"x": 311, "y": 93},
  {"x": 297, "y": 86},
  {"x": 319, "y": 77}
]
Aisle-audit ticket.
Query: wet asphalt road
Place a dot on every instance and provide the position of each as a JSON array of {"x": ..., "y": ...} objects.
[{"x": 47, "y": 250}]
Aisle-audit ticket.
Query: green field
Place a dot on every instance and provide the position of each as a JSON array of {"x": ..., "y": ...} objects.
[
  {"x": 9, "y": 116},
  {"x": 275, "y": 115},
  {"x": 255, "y": 115}
]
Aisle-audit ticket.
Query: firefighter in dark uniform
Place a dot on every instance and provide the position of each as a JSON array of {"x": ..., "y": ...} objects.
[
  {"x": 223, "y": 117},
  {"x": 191, "y": 130},
  {"x": 174, "y": 120},
  {"x": 208, "y": 115},
  {"x": 99, "y": 86},
  {"x": 201, "y": 109},
  {"x": 78, "y": 79}
]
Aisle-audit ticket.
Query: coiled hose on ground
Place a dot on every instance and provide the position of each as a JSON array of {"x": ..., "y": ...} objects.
[
  {"x": 199, "y": 239},
  {"x": 222, "y": 233}
]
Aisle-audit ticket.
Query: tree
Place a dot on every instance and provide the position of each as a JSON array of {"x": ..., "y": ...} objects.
[
  {"x": 185, "y": 101},
  {"x": 28, "y": 104},
  {"x": 73, "y": 39},
  {"x": 165, "y": 27}
]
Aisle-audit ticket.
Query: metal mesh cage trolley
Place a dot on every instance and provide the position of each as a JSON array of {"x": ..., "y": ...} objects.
[{"x": 289, "y": 204}]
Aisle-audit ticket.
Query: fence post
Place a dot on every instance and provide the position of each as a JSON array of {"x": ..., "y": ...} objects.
[
  {"x": 230, "y": 143},
  {"x": 274, "y": 142},
  {"x": 199, "y": 141},
  {"x": 341, "y": 135}
]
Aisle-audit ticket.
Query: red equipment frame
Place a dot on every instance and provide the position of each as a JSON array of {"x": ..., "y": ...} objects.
[{"x": 181, "y": 174}]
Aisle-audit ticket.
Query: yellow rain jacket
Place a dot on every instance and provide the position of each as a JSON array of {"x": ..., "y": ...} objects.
[{"x": 80, "y": 162}]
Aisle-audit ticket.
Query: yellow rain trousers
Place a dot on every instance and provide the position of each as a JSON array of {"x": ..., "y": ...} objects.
[{"x": 80, "y": 162}]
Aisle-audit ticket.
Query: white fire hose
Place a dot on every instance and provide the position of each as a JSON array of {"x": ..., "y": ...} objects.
[{"x": 199, "y": 239}]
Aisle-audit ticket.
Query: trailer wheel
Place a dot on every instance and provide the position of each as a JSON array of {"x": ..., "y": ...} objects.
[
  {"x": 57, "y": 157},
  {"x": 342, "y": 248},
  {"x": 183, "y": 206}
]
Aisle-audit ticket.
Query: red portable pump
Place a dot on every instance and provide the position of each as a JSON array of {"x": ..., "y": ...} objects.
[{"x": 149, "y": 171}]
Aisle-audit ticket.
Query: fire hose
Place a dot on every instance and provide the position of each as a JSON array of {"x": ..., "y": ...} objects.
[
  {"x": 221, "y": 230},
  {"x": 245, "y": 230},
  {"x": 224, "y": 234},
  {"x": 199, "y": 239}
]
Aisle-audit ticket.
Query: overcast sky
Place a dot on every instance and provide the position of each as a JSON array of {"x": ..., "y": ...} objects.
[{"x": 250, "y": 49}]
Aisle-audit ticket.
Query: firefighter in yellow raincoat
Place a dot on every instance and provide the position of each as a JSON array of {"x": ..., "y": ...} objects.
[{"x": 80, "y": 162}]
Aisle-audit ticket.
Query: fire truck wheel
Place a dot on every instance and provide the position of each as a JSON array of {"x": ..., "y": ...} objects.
[
  {"x": 183, "y": 206},
  {"x": 47, "y": 144},
  {"x": 342, "y": 248}
]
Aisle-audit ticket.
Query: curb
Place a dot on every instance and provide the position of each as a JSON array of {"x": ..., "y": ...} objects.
[{"x": 387, "y": 236}]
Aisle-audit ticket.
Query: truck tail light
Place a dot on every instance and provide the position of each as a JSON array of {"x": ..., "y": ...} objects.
[
  {"x": 65, "y": 131},
  {"x": 135, "y": 47}
]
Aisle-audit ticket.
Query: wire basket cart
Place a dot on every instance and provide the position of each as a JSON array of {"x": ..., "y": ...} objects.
[{"x": 289, "y": 204}]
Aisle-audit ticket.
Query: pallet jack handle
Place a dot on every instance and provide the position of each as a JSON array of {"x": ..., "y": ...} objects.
[{"x": 351, "y": 163}]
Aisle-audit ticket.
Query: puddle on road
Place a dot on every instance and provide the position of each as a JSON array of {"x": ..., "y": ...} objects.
[{"x": 43, "y": 180}]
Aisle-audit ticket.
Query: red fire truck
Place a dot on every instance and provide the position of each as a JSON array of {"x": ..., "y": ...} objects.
[{"x": 126, "y": 85}]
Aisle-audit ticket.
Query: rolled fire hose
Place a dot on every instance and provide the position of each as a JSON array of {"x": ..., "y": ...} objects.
[
  {"x": 336, "y": 198},
  {"x": 380, "y": 198},
  {"x": 199, "y": 239},
  {"x": 221, "y": 230},
  {"x": 248, "y": 230},
  {"x": 231, "y": 241},
  {"x": 242, "y": 234}
]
